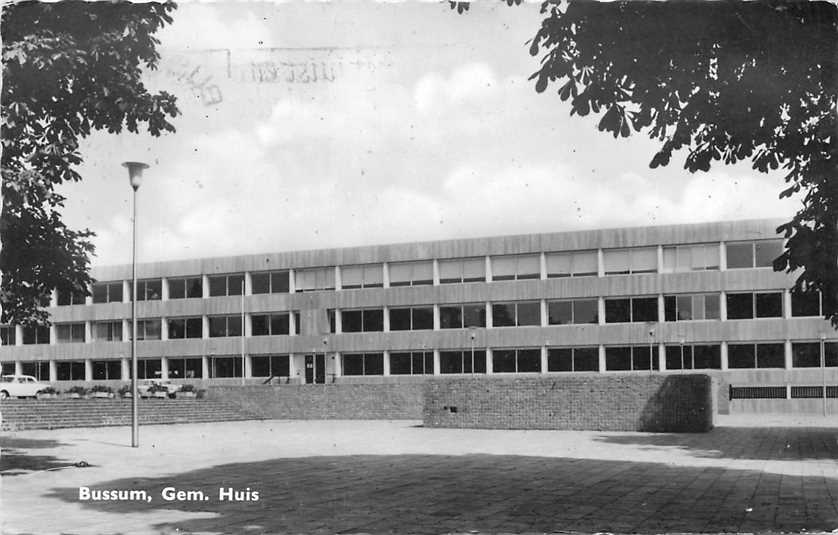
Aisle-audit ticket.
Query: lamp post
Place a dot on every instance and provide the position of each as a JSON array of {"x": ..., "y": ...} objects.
[
  {"x": 135, "y": 177},
  {"x": 823, "y": 370},
  {"x": 472, "y": 334}
]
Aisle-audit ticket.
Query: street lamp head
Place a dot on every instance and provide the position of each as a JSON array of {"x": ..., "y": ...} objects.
[{"x": 135, "y": 173}]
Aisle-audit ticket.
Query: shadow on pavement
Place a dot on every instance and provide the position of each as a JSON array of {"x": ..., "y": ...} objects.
[
  {"x": 769, "y": 443},
  {"x": 15, "y": 459},
  {"x": 485, "y": 493}
]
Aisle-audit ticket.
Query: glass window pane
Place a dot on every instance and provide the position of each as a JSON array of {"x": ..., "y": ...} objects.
[
  {"x": 280, "y": 282},
  {"x": 260, "y": 366},
  {"x": 450, "y": 362},
  {"x": 585, "y": 311},
  {"x": 177, "y": 329},
  {"x": 644, "y": 260},
  {"x": 644, "y": 309},
  {"x": 586, "y": 359},
  {"x": 194, "y": 327},
  {"x": 503, "y": 267},
  {"x": 711, "y": 256},
  {"x": 529, "y": 313},
  {"x": 450, "y": 271},
  {"x": 177, "y": 288},
  {"x": 351, "y": 277},
  {"x": 352, "y": 321},
  {"x": 670, "y": 255},
  {"x": 194, "y": 287},
  {"x": 685, "y": 307},
  {"x": 617, "y": 358},
  {"x": 235, "y": 284},
  {"x": 401, "y": 273},
  {"x": 529, "y": 360},
  {"x": 259, "y": 325},
  {"x": 423, "y": 272},
  {"x": 769, "y": 305},
  {"x": 707, "y": 357},
  {"x": 560, "y": 360},
  {"x": 805, "y": 304},
  {"x": 616, "y": 261},
  {"x": 741, "y": 356},
  {"x": 740, "y": 306},
  {"x": 503, "y": 360},
  {"x": 770, "y": 356},
  {"x": 711, "y": 307},
  {"x": 806, "y": 355},
  {"x": 373, "y": 276},
  {"x": 560, "y": 312},
  {"x": 154, "y": 290},
  {"x": 373, "y": 320},
  {"x": 280, "y": 324},
  {"x": 399, "y": 319},
  {"x": 529, "y": 267},
  {"x": 217, "y": 326},
  {"x": 100, "y": 292},
  {"x": 218, "y": 286},
  {"x": 503, "y": 314},
  {"x": 474, "y": 269},
  {"x": 423, "y": 318},
  {"x": 739, "y": 255},
  {"x": 474, "y": 316},
  {"x": 400, "y": 363},
  {"x": 585, "y": 263},
  {"x": 558, "y": 264},
  {"x": 450, "y": 317},
  {"x": 260, "y": 283},
  {"x": 617, "y": 310},
  {"x": 765, "y": 251},
  {"x": 304, "y": 280}
]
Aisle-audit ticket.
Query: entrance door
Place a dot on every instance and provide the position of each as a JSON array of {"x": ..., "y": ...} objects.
[{"x": 315, "y": 369}]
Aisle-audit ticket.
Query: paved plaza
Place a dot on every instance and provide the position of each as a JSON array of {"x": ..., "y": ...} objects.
[{"x": 397, "y": 477}]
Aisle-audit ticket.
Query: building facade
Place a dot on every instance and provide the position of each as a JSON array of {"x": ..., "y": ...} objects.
[{"x": 633, "y": 300}]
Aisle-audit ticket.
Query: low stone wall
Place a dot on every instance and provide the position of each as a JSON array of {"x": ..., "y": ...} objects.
[
  {"x": 387, "y": 401},
  {"x": 658, "y": 403}
]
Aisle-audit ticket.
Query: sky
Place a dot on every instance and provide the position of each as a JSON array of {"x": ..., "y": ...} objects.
[{"x": 337, "y": 124}]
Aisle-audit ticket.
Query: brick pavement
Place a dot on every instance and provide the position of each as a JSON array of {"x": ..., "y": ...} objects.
[{"x": 384, "y": 477}]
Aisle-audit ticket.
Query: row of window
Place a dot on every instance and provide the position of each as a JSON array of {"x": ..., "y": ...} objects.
[
  {"x": 679, "y": 258},
  {"x": 525, "y": 360},
  {"x": 685, "y": 307}
]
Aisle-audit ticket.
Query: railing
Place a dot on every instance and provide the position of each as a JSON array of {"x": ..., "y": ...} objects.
[{"x": 781, "y": 392}]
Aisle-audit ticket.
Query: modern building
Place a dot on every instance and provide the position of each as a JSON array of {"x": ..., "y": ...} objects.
[{"x": 632, "y": 300}]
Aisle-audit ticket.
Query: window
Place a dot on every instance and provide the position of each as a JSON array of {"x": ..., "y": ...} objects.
[
  {"x": 462, "y": 361},
  {"x": 462, "y": 316},
  {"x": 180, "y": 328},
  {"x": 458, "y": 270},
  {"x": 365, "y": 276},
  {"x": 148, "y": 329},
  {"x": 806, "y": 304},
  {"x": 753, "y": 254},
  {"x": 691, "y": 307},
  {"x": 107, "y": 292},
  {"x": 270, "y": 366},
  {"x": 412, "y": 363},
  {"x": 754, "y": 305},
  {"x": 630, "y": 358},
  {"x": 7, "y": 336},
  {"x": 755, "y": 356},
  {"x": 148, "y": 290},
  {"x": 701, "y": 257},
  {"x": 516, "y": 267},
  {"x": 69, "y": 333},
  {"x": 693, "y": 357},
  {"x": 314, "y": 279},
  {"x": 225, "y": 367},
  {"x": 359, "y": 321},
  {"x": 517, "y": 314},
  {"x": 107, "y": 331},
  {"x": 808, "y": 354},
  {"x": 627, "y": 261},
  {"x": 573, "y": 359},
  {"x": 35, "y": 334},
  {"x": 575, "y": 264},
  {"x": 411, "y": 319},
  {"x": 411, "y": 273},
  {"x": 631, "y": 309},
  {"x": 220, "y": 285},
  {"x": 363, "y": 364},
  {"x": 516, "y": 360},
  {"x": 221, "y": 326},
  {"x": 186, "y": 288},
  {"x": 38, "y": 369},
  {"x": 69, "y": 370},
  {"x": 270, "y": 324},
  {"x": 185, "y": 368},
  {"x": 267, "y": 282},
  {"x": 569, "y": 312},
  {"x": 66, "y": 298},
  {"x": 107, "y": 370}
]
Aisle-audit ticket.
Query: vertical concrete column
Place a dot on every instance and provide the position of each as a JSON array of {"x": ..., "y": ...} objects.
[
  {"x": 126, "y": 291},
  {"x": 661, "y": 308},
  {"x": 600, "y": 310},
  {"x": 292, "y": 365},
  {"x": 164, "y": 328},
  {"x": 164, "y": 289},
  {"x": 601, "y": 349},
  {"x": 205, "y": 331},
  {"x": 723, "y": 351},
  {"x": 248, "y": 366},
  {"x": 294, "y": 329},
  {"x": 662, "y": 357},
  {"x": 88, "y": 370},
  {"x": 386, "y": 362},
  {"x": 205, "y": 367},
  {"x": 53, "y": 371},
  {"x": 435, "y": 264},
  {"x": 125, "y": 369},
  {"x": 385, "y": 274},
  {"x": 88, "y": 332},
  {"x": 338, "y": 368},
  {"x": 53, "y": 335},
  {"x": 723, "y": 306},
  {"x": 660, "y": 258},
  {"x": 248, "y": 283},
  {"x": 436, "y": 317},
  {"x": 600, "y": 263},
  {"x": 436, "y": 362},
  {"x": 786, "y": 303},
  {"x": 338, "y": 322},
  {"x": 544, "y": 359},
  {"x": 722, "y": 256},
  {"x": 126, "y": 330},
  {"x": 291, "y": 282},
  {"x": 18, "y": 365},
  {"x": 488, "y": 315},
  {"x": 488, "y": 268},
  {"x": 339, "y": 279},
  {"x": 205, "y": 286},
  {"x": 164, "y": 368},
  {"x": 386, "y": 318},
  {"x": 18, "y": 335},
  {"x": 248, "y": 325},
  {"x": 787, "y": 353},
  {"x": 542, "y": 259},
  {"x": 544, "y": 314}
]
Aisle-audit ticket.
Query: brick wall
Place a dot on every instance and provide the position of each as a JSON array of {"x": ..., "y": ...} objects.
[
  {"x": 682, "y": 403},
  {"x": 387, "y": 401}
]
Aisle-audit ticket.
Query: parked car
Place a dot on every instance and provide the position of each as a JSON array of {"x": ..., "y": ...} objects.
[
  {"x": 147, "y": 387},
  {"x": 20, "y": 386}
]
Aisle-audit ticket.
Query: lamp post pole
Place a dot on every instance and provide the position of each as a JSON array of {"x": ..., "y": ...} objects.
[
  {"x": 242, "y": 333},
  {"x": 135, "y": 176},
  {"x": 823, "y": 370}
]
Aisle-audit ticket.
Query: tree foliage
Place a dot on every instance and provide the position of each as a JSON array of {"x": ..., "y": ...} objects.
[
  {"x": 723, "y": 82},
  {"x": 69, "y": 69}
]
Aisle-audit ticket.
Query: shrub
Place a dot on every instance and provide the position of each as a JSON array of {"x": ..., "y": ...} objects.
[
  {"x": 124, "y": 389},
  {"x": 78, "y": 389},
  {"x": 157, "y": 388},
  {"x": 102, "y": 388},
  {"x": 187, "y": 388},
  {"x": 48, "y": 390}
]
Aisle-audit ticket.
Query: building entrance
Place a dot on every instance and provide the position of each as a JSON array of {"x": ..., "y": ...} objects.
[{"x": 315, "y": 369}]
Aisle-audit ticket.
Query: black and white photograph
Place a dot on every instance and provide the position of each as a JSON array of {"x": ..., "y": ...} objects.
[{"x": 419, "y": 267}]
